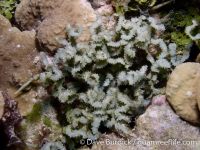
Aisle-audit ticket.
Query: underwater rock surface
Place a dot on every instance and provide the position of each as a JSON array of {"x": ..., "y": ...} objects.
[
  {"x": 17, "y": 53},
  {"x": 50, "y": 18},
  {"x": 158, "y": 124},
  {"x": 11, "y": 117},
  {"x": 97, "y": 89}
]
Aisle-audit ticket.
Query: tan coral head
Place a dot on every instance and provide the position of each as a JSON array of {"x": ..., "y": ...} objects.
[{"x": 182, "y": 91}]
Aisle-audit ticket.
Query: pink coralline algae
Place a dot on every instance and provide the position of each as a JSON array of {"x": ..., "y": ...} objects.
[{"x": 158, "y": 100}]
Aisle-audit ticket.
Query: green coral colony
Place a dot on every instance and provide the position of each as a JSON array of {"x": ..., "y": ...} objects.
[{"x": 106, "y": 81}]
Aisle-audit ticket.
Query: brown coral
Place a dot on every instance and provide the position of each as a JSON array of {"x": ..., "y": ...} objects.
[
  {"x": 50, "y": 18},
  {"x": 182, "y": 91},
  {"x": 17, "y": 53}
]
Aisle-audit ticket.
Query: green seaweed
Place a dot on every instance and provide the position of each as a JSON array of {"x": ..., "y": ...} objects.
[
  {"x": 47, "y": 122},
  {"x": 141, "y": 6},
  {"x": 36, "y": 113},
  {"x": 176, "y": 25},
  {"x": 7, "y": 8}
]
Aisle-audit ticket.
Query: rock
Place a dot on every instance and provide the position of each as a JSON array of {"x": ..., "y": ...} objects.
[
  {"x": 158, "y": 128},
  {"x": 181, "y": 91},
  {"x": 45, "y": 128},
  {"x": 98, "y": 3},
  {"x": 198, "y": 94},
  {"x": 158, "y": 100},
  {"x": 11, "y": 117},
  {"x": 198, "y": 58},
  {"x": 160, "y": 123},
  {"x": 109, "y": 21},
  {"x": 17, "y": 53},
  {"x": 50, "y": 18},
  {"x": 2, "y": 103}
]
